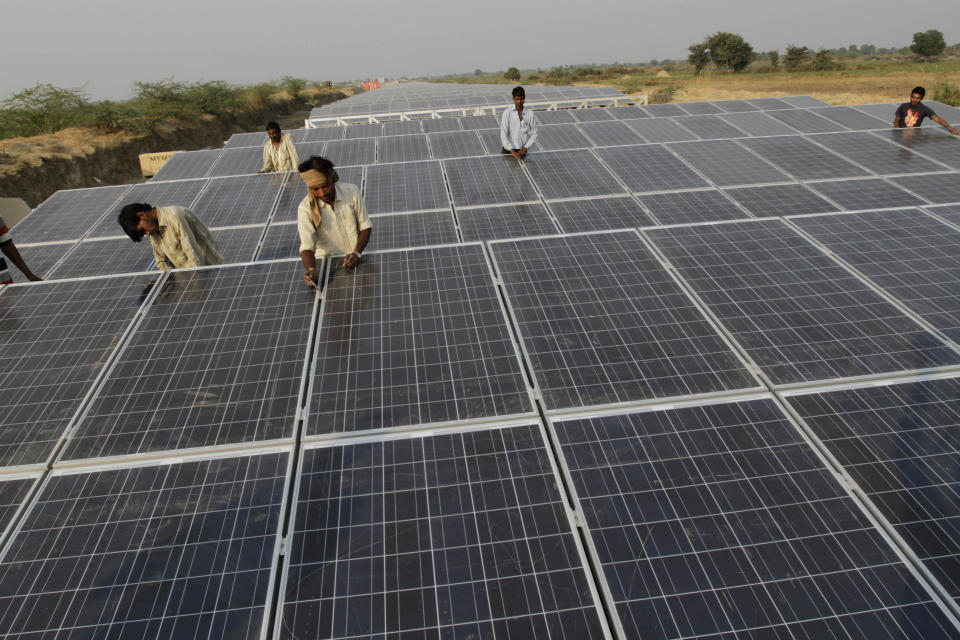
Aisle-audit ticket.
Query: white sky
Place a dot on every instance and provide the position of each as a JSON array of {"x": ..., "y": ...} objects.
[{"x": 106, "y": 45}]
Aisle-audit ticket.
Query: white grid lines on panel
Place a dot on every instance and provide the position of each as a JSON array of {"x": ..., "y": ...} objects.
[
  {"x": 235, "y": 162},
  {"x": 418, "y": 229},
  {"x": 867, "y": 193},
  {"x": 405, "y": 148},
  {"x": 757, "y": 123},
  {"x": 801, "y": 158},
  {"x": 456, "y": 144},
  {"x": 240, "y": 200},
  {"x": 660, "y": 130},
  {"x": 569, "y": 174},
  {"x": 726, "y": 164},
  {"x": 806, "y": 121},
  {"x": 508, "y": 221},
  {"x": 780, "y": 200},
  {"x": 491, "y": 180},
  {"x": 352, "y": 152},
  {"x": 407, "y": 186},
  {"x": 876, "y": 154},
  {"x": 599, "y": 214},
  {"x": 940, "y": 188},
  {"x": 187, "y": 164},
  {"x": 66, "y": 215},
  {"x": 707, "y": 205},
  {"x": 650, "y": 168}
]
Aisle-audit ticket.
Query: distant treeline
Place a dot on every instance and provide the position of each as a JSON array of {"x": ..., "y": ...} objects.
[{"x": 45, "y": 108}]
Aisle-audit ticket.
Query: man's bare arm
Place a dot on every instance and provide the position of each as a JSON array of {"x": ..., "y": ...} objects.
[
  {"x": 10, "y": 250},
  {"x": 311, "y": 278},
  {"x": 943, "y": 123}
]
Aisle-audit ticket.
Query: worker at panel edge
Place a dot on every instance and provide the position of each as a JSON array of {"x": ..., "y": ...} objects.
[
  {"x": 10, "y": 251},
  {"x": 279, "y": 152},
  {"x": 331, "y": 220},
  {"x": 178, "y": 237},
  {"x": 518, "y": 127},
  {"x": 911, "y": 114}
]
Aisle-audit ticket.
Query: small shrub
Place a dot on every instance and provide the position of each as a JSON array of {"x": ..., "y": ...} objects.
[
  {"x": 947, "y": 93},
  {"x": 664, "y": 94}
]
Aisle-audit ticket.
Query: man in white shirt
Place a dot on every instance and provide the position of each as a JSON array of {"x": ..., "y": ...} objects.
[
  {"x": 518, "y": 127},
  {"x": 331, "y": 220},
  {"x": 178, "y": 237},
  {"x": 279, "y": 152}
]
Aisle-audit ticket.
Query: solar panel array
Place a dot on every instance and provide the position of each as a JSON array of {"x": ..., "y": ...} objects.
[{"x": 687, "y": 371}]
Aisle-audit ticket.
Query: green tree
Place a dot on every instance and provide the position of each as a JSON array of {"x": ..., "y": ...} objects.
[
  {"x": 512, "y": 74},
  {"x": 868, "y": 49},
  {"x": 795, "y": 57},
  {"x": 729, "y": 51},
  {"x": 774, "y": 59},
  {"x": 654, "y": 63},
  {"x": 928, "y": 44},
  {"x": 699, "y": 56},
  {"x": 478, "y": 72},
  {"x": 823, "y": 61},
  {"x": 45, "y": 109},
  {"x": 293, "y": 86}
]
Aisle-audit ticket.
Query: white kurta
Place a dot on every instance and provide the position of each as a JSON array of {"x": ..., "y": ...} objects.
[{"x": 340, "y": 225}]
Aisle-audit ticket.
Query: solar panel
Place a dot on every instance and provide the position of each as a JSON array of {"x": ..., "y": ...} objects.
[
  {"x": 54, "y": 341},
  {"x": 166, "y": 551},
  {"x": 803, "y": 102},
  {"x": 875, "y": 154},
  {"x": 949, "y": 213},
  {"x": 282, "y": 240},
  {"x": 569, "y": 174},
  {"x": 437, "y": 125},
  {"x": 491, "y": 140},
  {"x": 509, "y": 221},
  {"x": 456, "y": 144},
  {"x": 402, "y": 128},
  {"x": 372, "y": 130},
  {"x": 802, "y": 159},
  {"x": 806, "y": 121},
  {"x": 66, "y": 215},
  {"x": 602, "y": 322},
  {"x": 404, "y": 148},
  {"x": 755, "y": 123},
  {"x": 188, "y": 164},
  {"x": 898, "y": 443},
  {"x": 322, "y": 134},
  {"x": 253, "y": 139},
  {"x": 479, "y": 122},
  {"x": 650, "y": 168},
  {"x": 735, "y": 106},
  {"x": 419, "y": 229},
  {"x": 217, "y": 359},
  {"x": 306, "y": 150},
  {"x": 780, "y": 200},
  {"x": 851, "y": 118},
  {"x": 239, "y": 200},
  {"x": 868, "y": 193},
  {"x": 472, "y": 541},
  {"x": 949, "y": 113},
  {"x": 407, "y": 186},
  {"x": 414, "y": 338},
  {"x": 40, "y": 258},
  {"x": 561, "y": 136},
  {"x": 721, "y": 521},
  {"x": 182, "y": 193},
  {"x": 933, "y": 143},
  {"x": 940, "y": 188},
  {"x": 240, "y": 161},
  {"x": 799, "y": 315},
  {"x": 726, "y": 163},
  {"x": 599, "y": 214},
  {"x": 660, "y": 130},
  {"x": 106, "y": 256},
  {"x": 14, "y": 490},
  {"x": 609, "y": 134},
  {"x": 489, "y": 180},
  {"x": 591, "y": 115},
  {"x": 683, "y": 207},
  {"x": 700, "y": 108},
  {"x": 912, "y": 256},
  {"x": 628, "y": 112},
  {"x": 708, "y": 126},
  {"x": 351, "y": 152},
  {"x": 663, "y": 110},
  {"x": 883, "y": 111},
  {"x": 562, "y": 116},
  {"x": 769, "y": 104}
]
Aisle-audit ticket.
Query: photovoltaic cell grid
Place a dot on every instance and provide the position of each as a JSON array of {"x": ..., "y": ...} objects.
[
  {"x": 803, "y": 159},
  {"x": 593, "y": 114},
  {"x": 609, "y": 134},
  {"x": 599, "y": 214},
  {"x": 571, "y": 174},
  {"x": 463, "y": 535},
  {"x": 406, "y": 186},
  {"x": 158, "y": 194},
  {"x": 66, "y": 215},
  {"x": 188, "y": 164},
  {"x": 40, "y": 258},
  {"x": 508, "y": 221},
  {"x": 701, "y": 108},
  {"x": 240, "y": 161},
  {"x": 899, "y": 443},
  {"x": 218, "y": 359},
  {"x": 228, "y": 202},
  {"x": 806, "y": 121},
  {"x": 13, "y": 493},
  {"x": 708, "y": 127},
  {"x": 170, "y": 551},
  {"x": 780, "y": 200},
  {"x": 756, "y": 123},
  {"x": 726, "y": 163},
  {"x": 252, "y": 139},
  {"x": 456, "y": 144},
  {"x": 683, "y": 207},
  {"x": 352, "y": 152},
  {"x": 404, "y": 148},
  {"x": 419, "y": 229},
  {"x": 414, "y": 338},
  {"x": 876, "y": 154},
  {"x": 868, "y": 193},
  {"x": 282, "y": 240},
  {"x": 661, "y": 130},
  {"x": 941, "y": 188},
  {"x": 560, "y": 136},
  {"x": 490, "y": 180},
  {"x": 650, "y": 168},
  {"x": 105, "y": 256},
  {"x": 54, "y": 341},
  {"x": 603, "y": 322},
  {"x": 933, "y": 143},
  {"x": 720, "y": 521},
  {"x": 911, "y": 256},
  {"x": 400, "y": 127},
  {"x": 799, "y": 315},
  {"x": 852, "y": 118}
]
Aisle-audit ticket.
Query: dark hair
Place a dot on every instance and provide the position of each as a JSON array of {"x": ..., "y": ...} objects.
[
  {"x": 129, "y": 219},
  {"x": 272, "y": 125},
  {"x": 518, "y": 91},
  {"x": 919, "y": 90},
  {"x": 317, "y": 163}
]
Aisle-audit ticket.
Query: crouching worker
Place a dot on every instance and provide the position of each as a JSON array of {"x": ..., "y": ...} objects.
[
  {"x": 178, "y": 237},
  {"x": 331, "y": 220}
]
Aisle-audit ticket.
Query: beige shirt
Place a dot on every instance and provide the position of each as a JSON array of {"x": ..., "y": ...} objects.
[
  {"x": 182, "y": 240},
  {"x": 339, "y": 225},
  {"x": 284, "y": 158}
]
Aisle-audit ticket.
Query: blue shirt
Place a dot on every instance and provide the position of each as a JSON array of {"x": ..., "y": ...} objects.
[{"x": 516, "y": 134}]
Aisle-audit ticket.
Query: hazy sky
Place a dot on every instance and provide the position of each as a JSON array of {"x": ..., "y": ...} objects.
[{"x": 106, "y": 45}]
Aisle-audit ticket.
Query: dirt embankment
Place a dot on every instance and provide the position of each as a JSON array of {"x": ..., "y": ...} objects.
[{"x": 34, "y": 168}]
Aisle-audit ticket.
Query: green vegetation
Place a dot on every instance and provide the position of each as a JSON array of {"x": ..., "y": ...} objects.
[
  {"x": 727, "y": 51},
  {"x": 46, "y": 109},
  {"x": 947, "y": 92},
  {"x": 512, "y": 74},
  {"x": 928, "y": 44}
]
